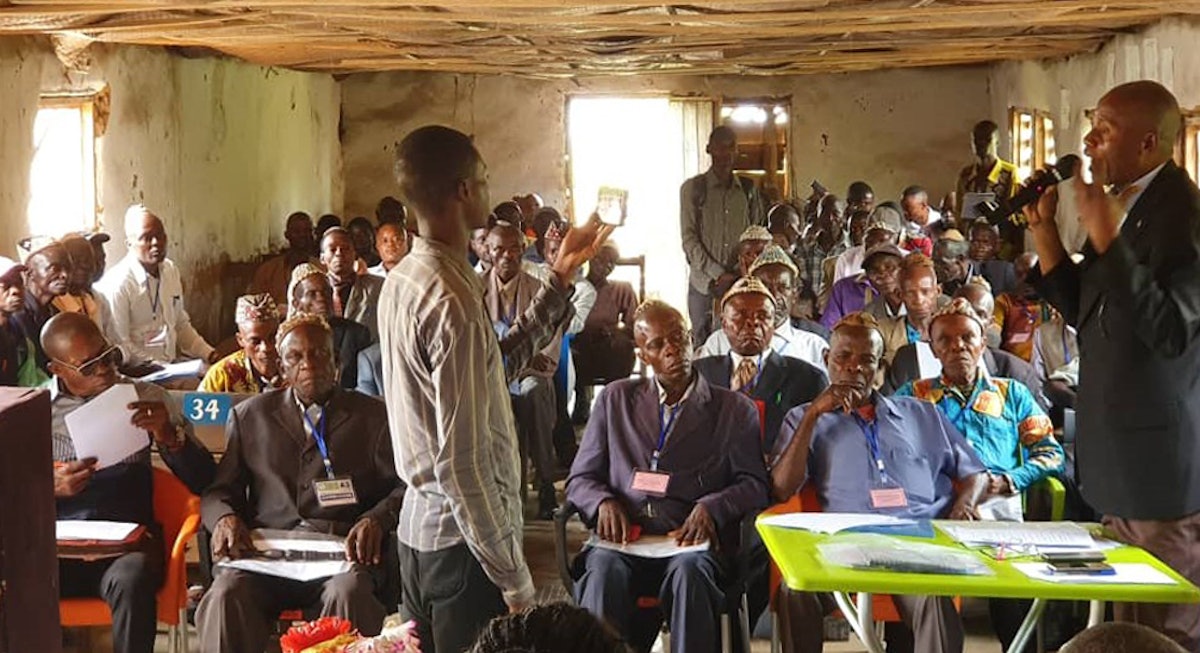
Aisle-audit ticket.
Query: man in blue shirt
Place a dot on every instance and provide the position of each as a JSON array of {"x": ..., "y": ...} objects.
[{"x": 867, "y": 453}]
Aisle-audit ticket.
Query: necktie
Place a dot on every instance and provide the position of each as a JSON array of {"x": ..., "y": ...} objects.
[{"x": 744, "y": 375}]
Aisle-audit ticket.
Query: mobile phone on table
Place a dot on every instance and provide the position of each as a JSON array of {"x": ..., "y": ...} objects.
[
  {"x": 1079, "y": 567},
  {"x": 611, "y": 205},
  {"x": 1084, "y": 555}
]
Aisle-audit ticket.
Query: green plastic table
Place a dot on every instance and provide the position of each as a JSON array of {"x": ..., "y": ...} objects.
[{"x": 795, "y": 552}]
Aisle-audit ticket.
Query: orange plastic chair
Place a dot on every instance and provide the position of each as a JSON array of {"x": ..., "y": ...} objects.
[{"x": 177, "y": 510}]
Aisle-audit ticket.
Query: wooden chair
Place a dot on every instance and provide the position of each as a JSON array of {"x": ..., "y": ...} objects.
[{"x": 177, "y": 510}]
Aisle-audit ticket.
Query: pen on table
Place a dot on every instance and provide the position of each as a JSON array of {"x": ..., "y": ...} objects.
[{"x": 1000, "y": 552}]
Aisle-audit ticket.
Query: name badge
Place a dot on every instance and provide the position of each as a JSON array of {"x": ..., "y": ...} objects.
[
  {"x": 651, "y": 483},
  {"x": 333, "y": 492},
  {"x": 889, "y": 497}
]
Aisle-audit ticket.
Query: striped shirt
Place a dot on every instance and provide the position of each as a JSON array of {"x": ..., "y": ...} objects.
[{"x": 448, "y": 407}]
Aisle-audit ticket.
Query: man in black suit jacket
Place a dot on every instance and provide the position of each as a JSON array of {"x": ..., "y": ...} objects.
[
  {"x": 1135, "y": 300},
  {"x": 310, "y": 292},
  {"x": 776, "y": 384}
]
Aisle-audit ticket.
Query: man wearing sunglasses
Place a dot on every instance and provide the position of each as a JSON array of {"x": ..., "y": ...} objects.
[{"x": 84, "y": 366}]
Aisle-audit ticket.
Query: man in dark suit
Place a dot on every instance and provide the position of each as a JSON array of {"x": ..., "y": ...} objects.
[
  {"x": 1135, "y": 300},
  {"x": 355, "y": 296},
  {"x": 776, "y": 384},
  {"x": 370, "y": 371},
  {"x": 673, "y": 456},
  {"x": 311, "y": 458},
  {"x": 311, "y": 293}
]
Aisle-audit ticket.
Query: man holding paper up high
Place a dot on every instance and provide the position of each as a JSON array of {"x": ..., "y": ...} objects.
[{"x": 84, "y": 365}]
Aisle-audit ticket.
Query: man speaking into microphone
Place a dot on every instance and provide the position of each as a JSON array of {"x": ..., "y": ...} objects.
[{"x": 1135, "y": 299}]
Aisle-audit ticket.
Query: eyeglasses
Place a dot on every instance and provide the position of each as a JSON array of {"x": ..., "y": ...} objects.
[{"x": 110, "y": 357}]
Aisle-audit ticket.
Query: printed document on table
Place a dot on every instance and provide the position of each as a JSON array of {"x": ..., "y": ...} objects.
[
  {"x": 647, "y": 546},
  {"x": 103, "y": 428},
  {"x": 1126, "y": 573},
  {"x": 833, "y": 522},
  {"x": 102, "y": 531},
  {"x": 266, "y": 540},
  {"x": 979, "y": 533}
]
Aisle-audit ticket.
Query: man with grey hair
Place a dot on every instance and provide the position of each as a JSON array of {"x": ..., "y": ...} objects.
[{"x": 145, "y": 293}]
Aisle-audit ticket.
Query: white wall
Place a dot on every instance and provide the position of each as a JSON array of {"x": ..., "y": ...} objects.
[
  {"x": 892, "y": 128},
  {"x": 221, "y": 150},
  {"x": 1165, "y": 52}
]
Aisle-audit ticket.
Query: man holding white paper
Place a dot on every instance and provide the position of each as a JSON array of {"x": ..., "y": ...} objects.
[
  {"x": 673, "y": 456},
  {"x": 84, "y": 365}
]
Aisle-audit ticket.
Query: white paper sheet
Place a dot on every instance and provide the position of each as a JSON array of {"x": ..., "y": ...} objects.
[
  {"x": 102, "y": 429},
  {"x": 304, "y": 571},
  {"x": 928, "y": 365},
  {"x": 832, "y": 522},
  {"x": 183, "y": 369},
  {"x": 647, "y": 546},
  {"x": 1060, "y": 534},
  {"x": 105, "y": 531},
  {"x": 1127, "y": 573}
]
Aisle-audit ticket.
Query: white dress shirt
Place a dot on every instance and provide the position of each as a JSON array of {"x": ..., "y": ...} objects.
[
  {"x": 849, "y": 263},
  {"x": 148, "y": 316}
]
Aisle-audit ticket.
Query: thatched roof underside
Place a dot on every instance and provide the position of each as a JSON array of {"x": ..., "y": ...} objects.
[{"x": 553, "y": 38}]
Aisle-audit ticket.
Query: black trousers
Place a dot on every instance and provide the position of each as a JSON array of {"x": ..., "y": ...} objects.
[
  {"x": 449, "y": 596},
  {"x": 128, "y": 585}
]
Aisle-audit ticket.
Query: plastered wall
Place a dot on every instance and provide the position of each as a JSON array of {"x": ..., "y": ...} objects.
[
  {"x": 892, "y": 128},
  {"x": 221, "y": 150}
]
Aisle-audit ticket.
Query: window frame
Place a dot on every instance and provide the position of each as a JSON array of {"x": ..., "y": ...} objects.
[{"x": 86, "y": 102}]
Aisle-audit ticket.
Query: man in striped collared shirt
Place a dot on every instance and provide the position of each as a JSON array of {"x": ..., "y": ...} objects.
[{"x": 447, "y": 397}]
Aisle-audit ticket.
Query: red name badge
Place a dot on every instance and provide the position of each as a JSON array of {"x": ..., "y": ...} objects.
[
  {"x": 652, "y": 483},
  {"x": 889, "y": 497}
]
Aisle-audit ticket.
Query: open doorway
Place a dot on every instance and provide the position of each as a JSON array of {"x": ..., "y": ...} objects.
[
  {"x": 647, "y": 146},
  {"x": 762, "y": 127}
]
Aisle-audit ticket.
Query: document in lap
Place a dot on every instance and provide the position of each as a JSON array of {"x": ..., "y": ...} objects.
[{"x": 295, "y": 555}]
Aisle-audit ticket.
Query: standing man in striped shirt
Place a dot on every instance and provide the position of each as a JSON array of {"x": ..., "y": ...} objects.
[{"x": 444, "y": 382}]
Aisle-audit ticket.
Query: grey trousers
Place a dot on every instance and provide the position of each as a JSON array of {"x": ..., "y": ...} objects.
[
  {"x": 1177, "y": 543},
  {"x": 936, "y": 625},
  {"x": 128, "y": 585},
  {"x": 700, "y": 312},
  {"x": 686, "y": 586},
  {"x": 535, "y": 414},
  {"x": 238, "y": 613},
  {"x": 449, "y": 596}
]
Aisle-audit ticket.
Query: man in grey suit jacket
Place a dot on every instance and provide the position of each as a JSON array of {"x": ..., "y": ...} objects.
[
  {"x": 291, "y": 453},
  {"x": 1135, "y": 300},
  {"x": 671, "y": 455},
  {"x": 355, "y": 296}
]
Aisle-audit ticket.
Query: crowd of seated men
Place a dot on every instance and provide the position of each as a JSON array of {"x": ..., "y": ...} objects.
[{"x": 871, "y": 353}]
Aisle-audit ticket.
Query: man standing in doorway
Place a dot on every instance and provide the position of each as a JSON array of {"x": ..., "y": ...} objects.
[
  {"x": 714, "y": 209},
  {"x": 460, "y": 527},
  {"x": 1134, "y": 299}
]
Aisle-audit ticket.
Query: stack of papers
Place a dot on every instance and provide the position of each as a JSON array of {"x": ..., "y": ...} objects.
[
  {"x": 834, "y": 522},
  {"x": 268, "y": 540},
  {"x": 1037, "y": 534},
  {"x": 647, "y": 546},
  {"x": 1125, "y": 573},
  {"x": 100, "y": 531},
  {"x": 183, "y": 370}
]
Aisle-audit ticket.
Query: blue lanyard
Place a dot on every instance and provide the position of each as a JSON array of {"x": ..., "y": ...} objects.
[
  {"x": 871, "y": 431},
  {"x": 664, "y": 429},
  {"x": 155, "y": 301},
  {"x": 318, "y": 433}
]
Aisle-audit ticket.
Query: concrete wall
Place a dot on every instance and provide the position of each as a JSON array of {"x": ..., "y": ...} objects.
[
  {"x": 891, "y": 128},
  {"x": 221, "y": 150},
  {"x": 1164, "y": 52}
]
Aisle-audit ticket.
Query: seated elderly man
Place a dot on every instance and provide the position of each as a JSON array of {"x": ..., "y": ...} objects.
[
  {"x": 255, "y": 367},
  {"x": 922, "y": 296},
  {"x": 85, "y": 365},
  {"x": 673, "y": 455},
  {"x": 47, "y": 277},
  {"x": 908, "y": 467},
  {"x": 779, "y": 273},
  {"x": 1001, "y": 420},
  {"x": 290, "y": 454},
  {"x": 508, "y": 293},
  {"x": 775, "y": 383},
  {"x": 310, "y": 292}
]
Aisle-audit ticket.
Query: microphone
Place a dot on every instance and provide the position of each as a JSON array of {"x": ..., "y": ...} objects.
[{"x": 1009, "y": 208}]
